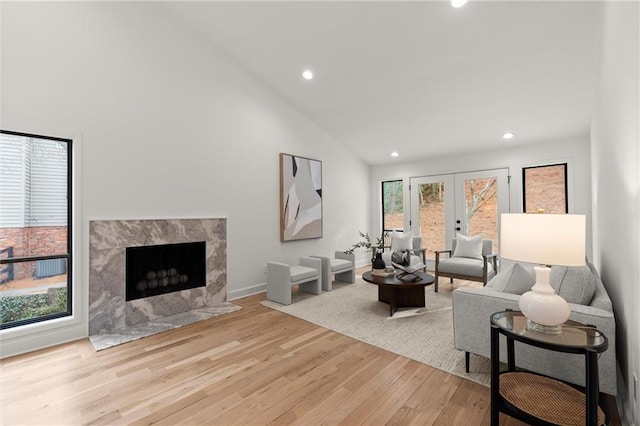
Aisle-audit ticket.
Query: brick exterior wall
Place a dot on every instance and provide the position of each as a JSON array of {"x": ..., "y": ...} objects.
[{"x": 33, "y": 241}]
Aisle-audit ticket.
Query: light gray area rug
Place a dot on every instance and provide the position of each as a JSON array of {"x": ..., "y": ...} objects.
[{"x": 422, "y": 334}]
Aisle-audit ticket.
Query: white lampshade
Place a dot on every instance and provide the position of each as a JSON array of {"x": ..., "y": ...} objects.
[{"x": 545, "y": 239}]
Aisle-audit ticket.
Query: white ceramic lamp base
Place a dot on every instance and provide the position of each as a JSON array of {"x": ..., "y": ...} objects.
[{"x": 544, "y": 309}]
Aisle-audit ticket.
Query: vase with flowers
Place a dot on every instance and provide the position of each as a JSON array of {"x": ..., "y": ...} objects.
[{"x": 375, "y": 248}]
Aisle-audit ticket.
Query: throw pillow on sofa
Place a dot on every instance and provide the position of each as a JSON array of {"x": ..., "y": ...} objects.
[
  {"x": 515, "y": 279},
  {"x": 576, "y": 284},
  {"x": 470, "y": 247}
]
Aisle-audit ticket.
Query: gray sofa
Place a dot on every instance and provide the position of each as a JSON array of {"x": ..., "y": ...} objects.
[{"x": 589, "y": 302}]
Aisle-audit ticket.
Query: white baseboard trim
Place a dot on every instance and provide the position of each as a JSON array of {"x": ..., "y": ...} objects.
[
  {"x": 258, "y": 288},
  {"x": 247, "y": 291},
  {"x": 624, "y": 403},
  {"x": 363, "y": 263},
  {"x": 31, "y": 342}
]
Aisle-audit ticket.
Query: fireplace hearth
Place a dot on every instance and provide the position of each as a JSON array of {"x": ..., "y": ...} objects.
[
  {"x": 166, "y": 268},
  {"x": 111, "y": 310}
]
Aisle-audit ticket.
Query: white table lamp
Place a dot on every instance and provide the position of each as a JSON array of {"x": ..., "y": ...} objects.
[{"x": 544, "y": 239}]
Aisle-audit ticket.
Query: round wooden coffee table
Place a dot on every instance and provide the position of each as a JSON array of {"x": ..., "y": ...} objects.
[{"x": 406, "y": 292}]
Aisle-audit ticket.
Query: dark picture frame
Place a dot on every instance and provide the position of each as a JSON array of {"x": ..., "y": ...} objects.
[{"x": 545, "y": 188}]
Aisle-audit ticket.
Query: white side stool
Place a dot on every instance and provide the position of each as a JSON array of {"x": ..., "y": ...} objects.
[{"x": 281, "y": 277}]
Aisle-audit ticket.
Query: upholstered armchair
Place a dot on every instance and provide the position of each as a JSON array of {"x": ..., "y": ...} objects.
[
  {"x": 405, "y": 241},
  {"x": 281, "y": 277},
  {"x": 342, "y": 267},
  {"x": 469, "y": 259}
]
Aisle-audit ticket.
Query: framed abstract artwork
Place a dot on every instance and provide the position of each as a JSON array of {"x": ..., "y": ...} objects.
[{"x": 300, "y": 198}]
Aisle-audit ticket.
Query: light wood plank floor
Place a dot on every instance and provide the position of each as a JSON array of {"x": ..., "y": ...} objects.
[{"x": 255, "y": 366}]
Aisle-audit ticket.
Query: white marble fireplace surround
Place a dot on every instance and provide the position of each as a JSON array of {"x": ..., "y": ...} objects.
[{"x": 113, "y": 320}]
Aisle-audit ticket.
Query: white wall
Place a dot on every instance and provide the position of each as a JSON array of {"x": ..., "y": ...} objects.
[
  {"x": 615, "y": 151},
  {"x": 169, "y": 128},
  {"x": 514, "y": 157}
]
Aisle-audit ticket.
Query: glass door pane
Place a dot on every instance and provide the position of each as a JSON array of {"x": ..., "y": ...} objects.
[
  {"x": 432, "y": 208},
  {"x": 469, "y": 203},
  {"x": 481, "y": 207},
  {"x": 482, "y": 197}
]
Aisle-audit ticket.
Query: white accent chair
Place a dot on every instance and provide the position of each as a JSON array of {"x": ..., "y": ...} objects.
[
  {"x": 343, "y": 267},
  {"x": 281, "y": 277}
]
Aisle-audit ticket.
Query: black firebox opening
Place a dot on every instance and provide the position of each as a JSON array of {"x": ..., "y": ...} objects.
[{"x": 154, "y": 270}]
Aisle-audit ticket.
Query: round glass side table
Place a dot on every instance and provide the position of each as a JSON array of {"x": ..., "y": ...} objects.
[{"x": 538, "y": 399}]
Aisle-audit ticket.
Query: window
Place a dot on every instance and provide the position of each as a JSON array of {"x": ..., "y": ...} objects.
[
  {"x": 35, "y": 231},
  {"x": 392, "y": 205},
  {"x": 545, "y": 188}
]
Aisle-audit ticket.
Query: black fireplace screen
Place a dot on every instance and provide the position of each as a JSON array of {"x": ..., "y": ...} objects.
[{"x": 154, "y": 270}]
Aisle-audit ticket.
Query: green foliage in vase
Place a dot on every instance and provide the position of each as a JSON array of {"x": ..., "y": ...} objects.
[{"x": 366, "y": 243}]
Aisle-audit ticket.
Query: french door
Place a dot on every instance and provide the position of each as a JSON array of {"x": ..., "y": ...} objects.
[{"x": 468, "y": 203}]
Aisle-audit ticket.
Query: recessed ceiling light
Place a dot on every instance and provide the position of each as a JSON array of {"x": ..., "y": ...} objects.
[
  {"x": 307, "y": 74},
  {"x": 508, "y": 135},
  {"x": 394, "y": 154},
  {"x": 458, "y": 3}
]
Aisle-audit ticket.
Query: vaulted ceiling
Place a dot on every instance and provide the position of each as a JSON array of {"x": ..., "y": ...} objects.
[{"x": 420, "y": 78}]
